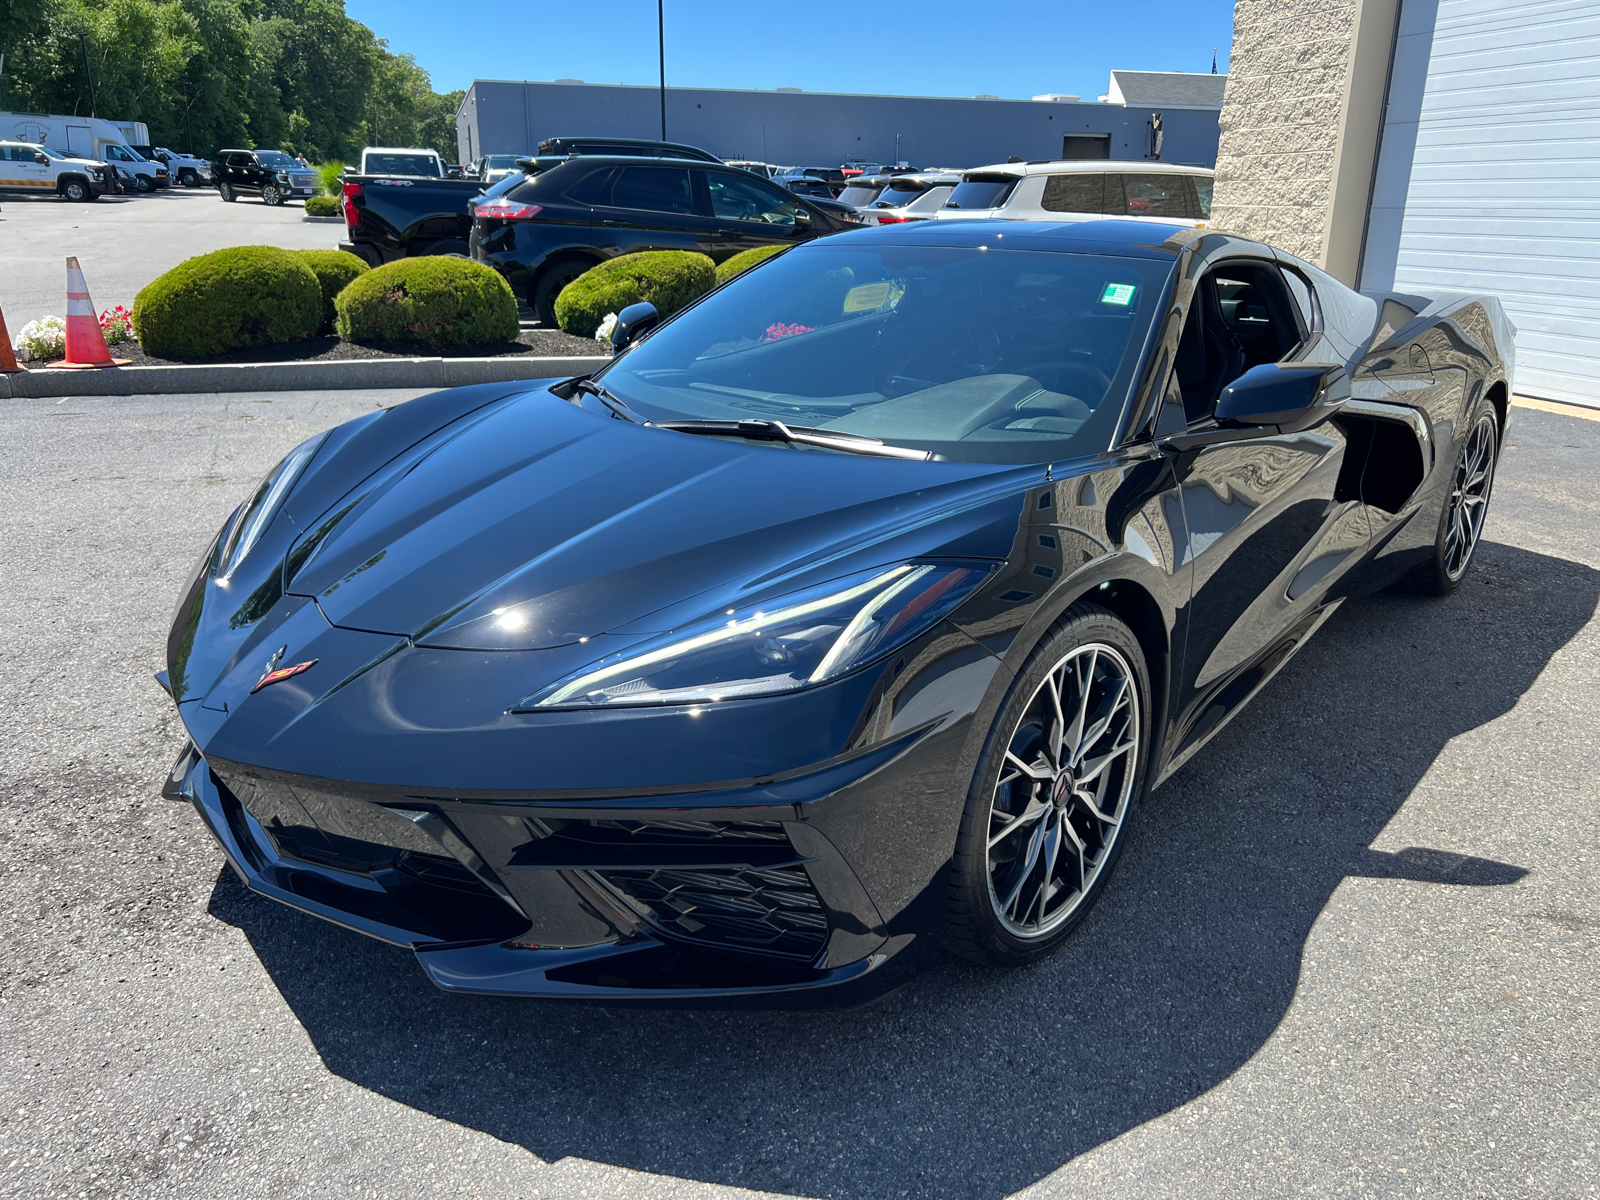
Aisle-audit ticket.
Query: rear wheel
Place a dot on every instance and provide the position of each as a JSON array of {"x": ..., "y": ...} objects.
[
  {"x": 225, "y": 190},
  {"x": 1466, "y": 506},
  {"x": 1065, "y": 764},
  {"x": 551, "y": 284}
]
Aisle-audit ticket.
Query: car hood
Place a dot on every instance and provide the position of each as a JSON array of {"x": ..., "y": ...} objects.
[{"x": 589, "y": 524}]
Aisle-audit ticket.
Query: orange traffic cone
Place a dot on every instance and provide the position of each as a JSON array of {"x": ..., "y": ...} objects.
[
  {"x": 8, "y": 359},
  {"x": 86, "y": 345}
]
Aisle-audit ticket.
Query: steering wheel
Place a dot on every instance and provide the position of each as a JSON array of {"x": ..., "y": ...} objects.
[{"x": 1072, "y": 376}]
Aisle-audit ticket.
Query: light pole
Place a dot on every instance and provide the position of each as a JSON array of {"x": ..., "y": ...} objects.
[
  {"x": 84, "y": 39},
  {"x": 661, "y": 41}
]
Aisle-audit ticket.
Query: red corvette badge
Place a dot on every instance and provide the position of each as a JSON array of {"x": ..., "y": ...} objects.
[{"x": 281, "y": 674}]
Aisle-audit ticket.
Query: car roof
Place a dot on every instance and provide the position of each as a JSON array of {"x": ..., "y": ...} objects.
[
  {"x": 1113, "y": 238},
  {"x": 1096, "y": 166}
]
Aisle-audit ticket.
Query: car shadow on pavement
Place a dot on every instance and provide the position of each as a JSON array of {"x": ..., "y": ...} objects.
[{"x": 973, "y": 1082}]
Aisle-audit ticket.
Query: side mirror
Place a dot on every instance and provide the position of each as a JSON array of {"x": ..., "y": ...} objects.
[
  {"x": 1274, "y": 393},
  {"x": 802, "y": 218},
  {"x": 42, "y": 159},
  {"x": 633, "y": 323}
]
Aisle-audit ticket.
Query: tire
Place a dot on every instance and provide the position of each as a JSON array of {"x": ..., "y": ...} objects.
[
  {"x": 187, "y": 178},
  {"x": 225, "y": 190},
  {"x": 76, "y": 190},
  {"x": 143, "y": 183},
  {"x": 1015, "y": 893},
  {"x": 1465, "y": 509},
  {"x": 551, "y": 284},
  {"x": 271, "y": 196}
]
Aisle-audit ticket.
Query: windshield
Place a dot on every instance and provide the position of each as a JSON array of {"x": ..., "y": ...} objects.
[
  {"x": 49, "y": 153},
  {"x": 858, "y": 194},
  {"x": 980, "y": 193},
  {"x": 500, "y": 162},
  {"x": 977, "y": 355},
  {"x": 276, "y": 159},
  {"x": 400, "y": 164}
]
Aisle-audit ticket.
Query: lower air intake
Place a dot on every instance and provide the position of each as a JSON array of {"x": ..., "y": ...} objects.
[{"x": 770, "y": 910}]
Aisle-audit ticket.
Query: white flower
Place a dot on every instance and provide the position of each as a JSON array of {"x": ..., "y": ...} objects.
[
  {"x": 41, "y": 340},
  {"x": 607, "y": 325}
]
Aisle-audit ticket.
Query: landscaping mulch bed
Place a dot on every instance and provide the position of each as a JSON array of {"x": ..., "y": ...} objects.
[{"x": 537, "y": 342}]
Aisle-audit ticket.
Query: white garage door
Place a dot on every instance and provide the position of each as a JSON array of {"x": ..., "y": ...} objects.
[{"x": 1503, "y": 191}]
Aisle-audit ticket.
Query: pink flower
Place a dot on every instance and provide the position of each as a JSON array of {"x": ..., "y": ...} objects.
[{"x": 780, "y": 330}]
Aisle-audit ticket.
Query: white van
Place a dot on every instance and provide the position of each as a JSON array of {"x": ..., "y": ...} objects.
[
  {"x": 1083, "y": 191},
  {"x": 89, "y": 138}
]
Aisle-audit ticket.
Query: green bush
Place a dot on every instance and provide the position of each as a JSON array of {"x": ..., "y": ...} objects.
[
  {"x": 329, "y": 173},
  {"x": 334, "y": 270},
  {"x": 744, "y": 260},
  {"x": 434, "y": 301},
  {"x": 242, "y": 296},
  {"x": 322, "y": 206},
  {"x": 669, "y": 279}
]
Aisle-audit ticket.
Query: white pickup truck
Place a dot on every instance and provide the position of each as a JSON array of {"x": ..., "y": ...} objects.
[
  {"x": 399, "y": 162},
  {"x": 25, "y": 167}
]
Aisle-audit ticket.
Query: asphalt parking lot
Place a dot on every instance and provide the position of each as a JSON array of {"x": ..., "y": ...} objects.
[
  {"x": 123, "y": 242},
  {"x": 1350, "y": 949}
]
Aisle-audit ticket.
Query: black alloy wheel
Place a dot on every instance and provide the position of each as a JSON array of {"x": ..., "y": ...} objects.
[
  {"x": 271, "y": 196},
  {"x": 143, "y": 183},
  {"x": 225, "y": 190},
  {"x": 551, "y": 284},
  {"x": 1065, "y": 765},
  {"x": 74, "y": 189},
  {"x": 1465, "y": 507}
]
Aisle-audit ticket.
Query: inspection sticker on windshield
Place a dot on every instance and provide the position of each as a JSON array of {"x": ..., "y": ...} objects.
[
  {"x": 866, "y": 297},
  {"x": 1118, "y": 294}
]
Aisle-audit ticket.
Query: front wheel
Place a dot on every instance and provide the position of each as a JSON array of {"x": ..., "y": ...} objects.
[
  {"x": 1065, "y": 764},
  {"x": 142, "y": 183},
  {"x": 225, "y": 190},
  {"x": 75, "y": 190},
  {"x": 1465, "y": 507},
  {"x": 188, "y": 179},
  {"x": 271, "y": 196}
]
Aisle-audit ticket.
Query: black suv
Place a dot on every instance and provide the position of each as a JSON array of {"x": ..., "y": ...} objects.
[
  {"x": 630, "y": 147},
  {"x": 271, "y": 174},
  {"x": 545, "y": 231}
]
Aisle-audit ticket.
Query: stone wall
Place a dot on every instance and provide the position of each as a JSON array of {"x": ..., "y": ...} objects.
[{"x": 1282, "y": 120}]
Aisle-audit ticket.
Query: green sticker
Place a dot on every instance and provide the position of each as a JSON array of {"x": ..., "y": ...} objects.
[{"x": 1120, "y": 294}]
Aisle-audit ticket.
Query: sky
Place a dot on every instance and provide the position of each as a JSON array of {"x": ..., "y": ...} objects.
[{"x": 1008, "y": 48}]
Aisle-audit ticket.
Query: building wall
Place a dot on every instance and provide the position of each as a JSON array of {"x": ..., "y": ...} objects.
[
  {"x": 1280, "y": 122},
  {"x": 816, "y": 129}
]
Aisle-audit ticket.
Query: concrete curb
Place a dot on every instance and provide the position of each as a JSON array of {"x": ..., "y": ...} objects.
[
  {"x": 336, "y": 375},
  {"x": 324, "y": 220}
]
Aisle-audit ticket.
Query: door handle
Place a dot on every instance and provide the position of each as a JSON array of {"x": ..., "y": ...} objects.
[{"x": 609, "y": 221}]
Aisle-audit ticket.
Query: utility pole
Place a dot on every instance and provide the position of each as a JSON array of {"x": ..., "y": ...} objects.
[
  {"x": 83, "y": 38},
  {"x": 661, "y": 39}
]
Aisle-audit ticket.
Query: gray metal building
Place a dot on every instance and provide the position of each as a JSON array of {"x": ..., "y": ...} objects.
[{"x": 799, "y": 128}]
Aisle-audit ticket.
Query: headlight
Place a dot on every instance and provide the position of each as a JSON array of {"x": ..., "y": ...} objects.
[
  {"x": 793, "y": 642},
  {"x": 256, "y": 513}
]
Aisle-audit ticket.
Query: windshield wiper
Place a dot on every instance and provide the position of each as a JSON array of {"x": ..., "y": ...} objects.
[
  {"x": 800, "y": 435},
  {"x": 618, "y": 409}
]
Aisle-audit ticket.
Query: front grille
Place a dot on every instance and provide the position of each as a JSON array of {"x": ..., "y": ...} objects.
[
  {"x": 773, "y": 910},
  {"x": 692, "y": 831}
]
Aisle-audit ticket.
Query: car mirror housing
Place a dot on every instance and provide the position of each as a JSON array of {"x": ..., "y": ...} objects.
[
  {"x": 1274, "y": 393},
  {"x": 802, "y": 218},
  {"x": 42, "y": 159},
  {"x": 633, "y": 323}
]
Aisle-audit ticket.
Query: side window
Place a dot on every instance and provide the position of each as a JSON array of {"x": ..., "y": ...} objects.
[
  {"x": 1202, "y": 185},
  {"x": 1076, "y": 193},
  {"x": 1240, "y": 317},
  {"x": 742, "y": 198},
  {"x": 1148, "y": 196},
  {"x": 593, "y": 188},
  {"x": 654, "y": 189}
]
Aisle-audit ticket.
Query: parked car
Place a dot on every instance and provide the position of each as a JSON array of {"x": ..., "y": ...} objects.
[
  {"x": 35, "y": 170},
  {"x": 910, "y": 198},
  {"x": 389, "y": 217},
  {"x": 402, "y": 162},
  {"x": 146, "y": 176},
  {"x": 863, "y": 191},
  {"x": 1082, "y": 191},
  {"x": 492, "y": 168},
  {"x": 624, "y": 147},
  {"x": 856, "y": 609},
  {"x": 854, "y": 170},
  {"x": 183, "y": 169},
  {"x": 543, "y": 233},
  {"x": 270, "y": 174},
  {"x": 765, "y": 170}
]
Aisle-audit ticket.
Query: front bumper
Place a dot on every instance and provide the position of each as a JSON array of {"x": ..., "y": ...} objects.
[{"x": 732, "y": 895}]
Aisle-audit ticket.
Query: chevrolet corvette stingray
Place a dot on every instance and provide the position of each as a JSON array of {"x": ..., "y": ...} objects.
[{"x": 853, "y": 608}]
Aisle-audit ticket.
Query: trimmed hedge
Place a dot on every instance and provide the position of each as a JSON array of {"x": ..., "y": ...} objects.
[
  {"x": 744, "y": 260},
  {"x": 322, "y": 206},
  {"x": 434, "y": 301},
  {"x": 669, "y": 279},
  {"x": 335, "y": 270},
  {"x": 228, "y": 299}
]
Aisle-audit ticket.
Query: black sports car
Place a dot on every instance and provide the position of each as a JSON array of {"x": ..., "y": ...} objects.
[{"x": 852, "y": 609}]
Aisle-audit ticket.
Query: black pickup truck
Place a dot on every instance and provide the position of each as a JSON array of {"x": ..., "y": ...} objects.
[{"x": 401, "y": 217}]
